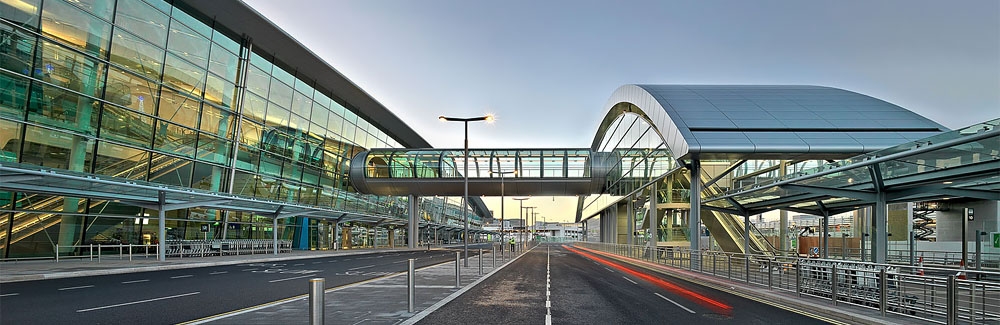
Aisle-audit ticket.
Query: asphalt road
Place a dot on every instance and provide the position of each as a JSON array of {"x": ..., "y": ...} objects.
[
  {"x": 585, "y": 288},
  {"x": 169, "y": 297}
]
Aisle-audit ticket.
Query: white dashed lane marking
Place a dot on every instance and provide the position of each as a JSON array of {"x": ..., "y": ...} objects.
[
  {"x": 74, "y": 288},
  {"x": 182, "y": 276},
  {"x": 135, "y": 281}
]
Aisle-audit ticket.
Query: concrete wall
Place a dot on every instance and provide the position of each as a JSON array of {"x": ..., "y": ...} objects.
[{"x": 949, "y": 223}]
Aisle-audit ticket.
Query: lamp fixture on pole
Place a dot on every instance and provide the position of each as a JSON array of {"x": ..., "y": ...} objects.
[{"x": 465, "y": 176}]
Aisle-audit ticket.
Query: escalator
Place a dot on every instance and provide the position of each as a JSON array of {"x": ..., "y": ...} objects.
[
  {"x": 728, "y": 229},
  {"x": 40, "y": 212}
]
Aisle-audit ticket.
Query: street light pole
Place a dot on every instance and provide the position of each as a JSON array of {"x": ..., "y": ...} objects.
[
  {"x": 465, "y": 176},
  {"x": 520, "y": 211},
  {"x": 501, "y": 172}
]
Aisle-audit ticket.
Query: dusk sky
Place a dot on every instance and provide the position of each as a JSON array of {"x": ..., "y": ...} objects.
[{"x": 547, "y": 68}]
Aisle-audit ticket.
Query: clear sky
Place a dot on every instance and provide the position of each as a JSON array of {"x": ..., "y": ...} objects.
[{"x": 547, "y": 68}]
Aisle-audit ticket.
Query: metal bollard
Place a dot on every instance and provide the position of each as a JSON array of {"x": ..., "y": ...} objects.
[
  {"x": 952, "y": 303},
  {"x": 316, "y": 304},
  {"x": 98, "y": 253},
  {"x": 882, "y": 291},
  {"x": 91, "y": 252},
  {"x": 458, "y": 271},
  {"x": 410, "y": 285},
  {"x": 833, "y": 283},
  {"x": 494, "y": 257},
  {"x": 798, "y": 277},
  {"x": 770, "y": 276},
  {"x": 129, "y": 252},
  {"x": 480, "y": 261},
  {"x": 57, "y": 253}
]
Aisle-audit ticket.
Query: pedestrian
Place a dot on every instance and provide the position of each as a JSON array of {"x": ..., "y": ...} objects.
[{"x": 511, "y": 244}]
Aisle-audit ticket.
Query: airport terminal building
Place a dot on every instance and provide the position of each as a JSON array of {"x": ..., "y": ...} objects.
[
  {"x": 145, "y": 121},
  {"x": 205, "y": 97}
]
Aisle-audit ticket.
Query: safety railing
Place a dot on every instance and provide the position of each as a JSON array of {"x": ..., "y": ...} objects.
[
  {"x": 938, "y": 295},
  {"x": 190, "y": 248},
  {"x": 105, "y": 251}
]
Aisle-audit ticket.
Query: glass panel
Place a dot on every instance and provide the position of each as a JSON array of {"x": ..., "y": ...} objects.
[
  {"x": 298, "y": 123},
  {"x": 191, "y": 22},
  {"x": 183, "y": 76},
  {"x": 16, "y": 49},
  {"x": 223, "y": 63},
  {"x": 284, "y": 76},
  {"x": 126, "y": 126},
  {"x": 170, "y": 170},
  {"x": 61, "y": 108},
  {"x": 301, "y": 105},
  {"x": 10, "y": 141},
  {"x": 216, "y": 121},
  {"x": 258, "y": 81},
  {"x": 175, "y": 139},
  {"x": 250, "y": 133},
  {"x": 72, "y": 26},
  {"x": 131, "y": 91},
  {"x": 247, "y": 159},
  {"x": 277, "y": 116},
  {"x": 208, "y": 177},
  {"x": 99, "y": 8},
  {"x": 50, "y": 148},
  {"x": 186, "y": 44},
  {"x": 213, "y": 149},
  {"x": 254, "y": 107},
  {"x": 178, "y": 108},
  {"x": 220, "y": 92},
  {"x": 68, "y": 69},
  {"x": 137, "y": 55},
  {"x": 13, "y": 93},
  {"x": 120, "y": 161},
  {"x": 227, "y": 43},
  {"x": 553, "y": 164},
  {"x": 280, "y": 94},
  {"x": 22, "y": 12},
  {"x": 139, "y": 17}
]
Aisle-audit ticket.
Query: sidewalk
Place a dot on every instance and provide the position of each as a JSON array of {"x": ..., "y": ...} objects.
[
  {"x": 16, "y": 271},
  {"x": 379, "y": 301}
]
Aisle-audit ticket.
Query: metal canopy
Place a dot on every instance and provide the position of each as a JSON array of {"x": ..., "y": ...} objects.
[
  {"x": 960, "y": 164},
  {"x": 36, "y": 179}
]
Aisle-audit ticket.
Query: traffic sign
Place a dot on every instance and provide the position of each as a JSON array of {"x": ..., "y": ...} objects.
[
  {"x": 204, "y": 228},
  {"x": 996, "y": 239}
]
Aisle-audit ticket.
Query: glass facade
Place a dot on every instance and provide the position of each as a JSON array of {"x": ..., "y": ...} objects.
[{"x": 139, "y": 89}]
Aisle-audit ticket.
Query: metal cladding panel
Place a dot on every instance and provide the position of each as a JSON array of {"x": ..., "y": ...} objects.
[{"x": 765, "y": 120}]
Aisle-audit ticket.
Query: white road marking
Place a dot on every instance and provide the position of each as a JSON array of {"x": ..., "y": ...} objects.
[
  {"x": 9, "y": 294},
  {"x": 137, "y": 302},
  {"x": 403, "y": 261},
  {"x": 313, "y": 263},
  {"x": 298, "y": 264},
  {"x": 630, "y": 280},
  {"x": 609, "y": 269},
  {"x": 361, "y": 267},
  {"x": 181, "y": 276},
  {"x": 548, "y": 285},
  {"x": 675, "y": 303},
  {"x": 74, "y": 288},
  {"x": 219, "y": 272},
  {"x": 135, "y": 281},
  {"x": 298, "y": 277}
]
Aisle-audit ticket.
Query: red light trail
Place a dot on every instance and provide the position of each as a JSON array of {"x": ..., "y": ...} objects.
[{"x": 690, "y": 295}]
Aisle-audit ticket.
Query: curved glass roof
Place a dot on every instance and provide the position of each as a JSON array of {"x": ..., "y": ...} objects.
[{"x": 749, "y": 121}]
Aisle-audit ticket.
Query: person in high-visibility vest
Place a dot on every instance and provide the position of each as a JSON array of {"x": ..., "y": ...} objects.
[{"x": 512, "y": 244}]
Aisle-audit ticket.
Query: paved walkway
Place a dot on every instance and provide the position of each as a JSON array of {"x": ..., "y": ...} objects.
[{"x": 377, "y": 301}]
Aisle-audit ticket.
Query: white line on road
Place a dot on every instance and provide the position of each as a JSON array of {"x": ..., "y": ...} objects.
[
  {"x": 609, "y": 269},
  {"x": 298, "y": 277},
  {"x": 630, "y": 280},
  {"x": 298, "y": 264},
  {"x": 73, "y": 288},
  {"x": 9, "y": 294},
  {"x": 219, "y": 272},
  {"x": 403, "y": 261},
  {"x": 135, "y": 281},
  {"x": 137, "y": 302},
  {"x": 361, "y": 267},
  {"x": 674, "y": 302},
  {"x": 181, "y": 276},
  {"x": 313, "y": 263}
]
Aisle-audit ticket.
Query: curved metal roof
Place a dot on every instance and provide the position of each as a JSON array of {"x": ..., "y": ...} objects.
[{"x": 766, "y": 122}]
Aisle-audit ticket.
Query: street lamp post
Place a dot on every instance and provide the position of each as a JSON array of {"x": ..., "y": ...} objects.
[
  {"x": 527, "y": 217},
  {"x": 501, "y": 172},
  {"x": 465, "y": 176},
  {"x": 519, "y": 212}
]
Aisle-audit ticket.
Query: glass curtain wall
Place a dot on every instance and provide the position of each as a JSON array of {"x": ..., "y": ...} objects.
[{"x": 145, "y": 91}]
